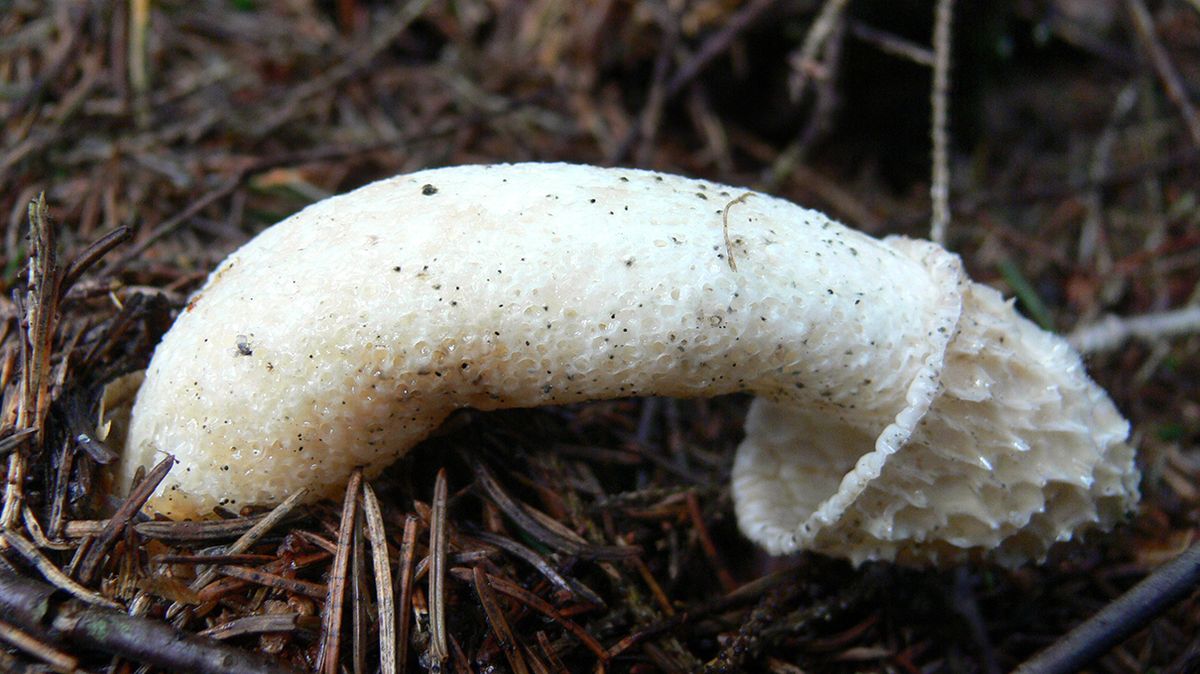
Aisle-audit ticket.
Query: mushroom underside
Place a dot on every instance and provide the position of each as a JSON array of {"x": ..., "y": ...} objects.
[{"x": 1018, "y": 450}]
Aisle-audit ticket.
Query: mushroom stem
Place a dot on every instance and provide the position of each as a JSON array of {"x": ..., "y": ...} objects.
[{"x": 901, "y": 409}]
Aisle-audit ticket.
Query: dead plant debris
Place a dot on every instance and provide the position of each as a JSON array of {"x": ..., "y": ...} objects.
[{"x": 142, "y": 141}]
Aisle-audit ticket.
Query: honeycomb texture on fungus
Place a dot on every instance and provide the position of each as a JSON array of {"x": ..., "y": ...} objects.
[{"x": 902, "y": 410}]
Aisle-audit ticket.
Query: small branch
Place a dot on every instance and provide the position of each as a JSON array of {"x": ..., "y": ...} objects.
[
  {"x": 890, "y": 43},
  {"x": 53, "y": 574},
  {"x": 25, "y": 641},
  {"x": 1110, "y": 332},
  {"x": 39, "y": 609},
  {"x": 939, "y": 190},
  {"x": 1129, "y": 613},
  {"x": 1177, "y": 91},
  {"x": 819, "y": 59},
  {"x": 803, "y": 64}
]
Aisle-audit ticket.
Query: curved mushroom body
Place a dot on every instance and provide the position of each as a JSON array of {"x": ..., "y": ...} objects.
[{"x": 901, "y": 409}]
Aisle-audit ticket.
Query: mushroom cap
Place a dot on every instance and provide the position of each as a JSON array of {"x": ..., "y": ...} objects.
[
  {"x": 1017, "y": 450},
  {"x": 902, "y": 411}
]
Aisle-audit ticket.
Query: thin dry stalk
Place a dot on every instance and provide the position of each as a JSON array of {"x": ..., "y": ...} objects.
[
  {"x": 804, "y": 63},
  {"x": 259, "y": 624},
  {"x": 31, "y": 606},
  {"x": 548, "y": 651},
  {"x": 331, "y": 629},
  {"x": 359, "y": 597},
  {"x": 939, "y": 189},
  {"x": 728, "y": 584},
  {"x": 267, "y": 579},
  {"x": 893, "y": 44},
  {"x": 58, "y": 660},
  {"x": 571, "y": 586},
  {"x": 39, "y": 537},
  {"x": 41, "y": 314},
  {"x": 725, "y": 227},
  {"x": 112, "y": 531},
  {"x": 243, "y": 543},
  {"x": 500, "y": 627},
  {"x": 139, "y": 71},
  {"x": 383, "y": 581},
  {"x": 52, "y": 573},
  {"x": 538, "y": 604},
  {"x": 345, "y": 67},
  {"x": 404, "y": 578},
  {"x": 1111, "y": 332},
  {"x": 651, "y": 115},
  {"x": 545, "y": 529},
  {"x": 14, "y": 441},
  {"x": 438, "y": 552},
  {"x": 46, "y": 286},
  {"x": 714, "y": 46},
  {"x": 1176, "y": 89},
  {"x": 656, "y": 590}
]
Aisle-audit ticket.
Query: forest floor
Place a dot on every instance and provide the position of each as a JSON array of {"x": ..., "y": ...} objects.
[{"x": 163, "y": 135}]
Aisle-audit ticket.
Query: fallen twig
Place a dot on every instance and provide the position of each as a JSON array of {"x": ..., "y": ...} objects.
[
  {"x": 1111, "y": 332},
  {"x": 36, "y": 608},
  {"x": 1126, "y": 615},
  {"x": 53, "y": 574}
]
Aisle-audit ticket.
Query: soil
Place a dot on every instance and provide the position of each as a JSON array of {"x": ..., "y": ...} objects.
[{"x": 143, "y": 141}]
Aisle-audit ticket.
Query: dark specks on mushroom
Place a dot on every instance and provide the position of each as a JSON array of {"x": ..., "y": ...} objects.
[{"x": 719, "y": 351}]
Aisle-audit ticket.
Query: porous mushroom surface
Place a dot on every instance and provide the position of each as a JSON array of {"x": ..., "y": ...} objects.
[{"x": 901, "y": 410}]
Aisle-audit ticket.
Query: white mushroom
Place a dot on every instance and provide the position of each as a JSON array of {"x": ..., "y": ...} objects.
[{"x": 902, "y": 410}]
